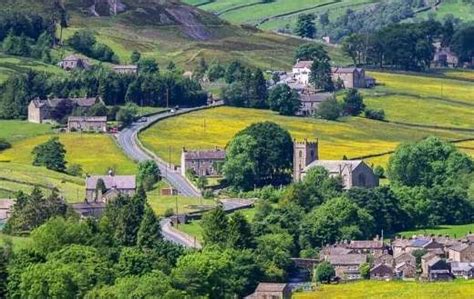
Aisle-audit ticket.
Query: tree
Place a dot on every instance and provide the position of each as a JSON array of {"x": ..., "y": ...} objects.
[
  {"x": 127, "y": 114},
  {"x": 320, "y": 75},
  {"x": 284, "y": 100},
  {"x": 336, "y": 219},
  {"x": 310, "y": 52},
  {"x": 365, "y": 270},
  {"x": 258, "y": 90},
  {"x": 148, "y": 66},
  {"x": 428, "y": 162},
  {"x": 305, "y": 26},
  {"x": 239, "y": 232},
  {"x": 324, "y": 272},
  {"x": 274, "y": 252},
  {"x": 135, "y": 56},
  {"x": 329, "y": 109},
  {"x": 267, "y": 156},
  {"x": 215, "y": 225},
  {"x": 376, "y": 114},
  {"x": 149, "y": 233},
  {"x": 463, "y": 43},
  {"x": 4, "y": 259},
  {"x": 233, "y": 72},
  {"x": 50, "y": 154},
  {"x": 215, "y": 71},
  {"x": 353, "y": 102},
  {"x": 235, "y": 95},
  {"x": 148, "y": 174},
  {"x": 354, "y": 46},
  {"x": 82, "y": 41},
  {"x": 4, "y": 144}
]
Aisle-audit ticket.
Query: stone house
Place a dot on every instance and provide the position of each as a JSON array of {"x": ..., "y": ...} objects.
[
  {"x": 375, "y": 247},
  {"x": 5, "y": 209},
  {"x": 435, "y": 268},
  {"x": 39, "y": 111},
  {"x": 444, "y": 57},
  {"x": 354, "y": 173},
  {"x": 310, "y": 101},
  {"x": 202, "y": 163},
  {"x": 384, "y": 259},
  {"x": 126, "y": 69},
  {"x": 73, "y": 62},
  {"x": 351, "y": 77},
  {"x": 302, "y": 70},
  {"x": 381, "y": 272},
  {"x": 347, "y": 265},
  {"x": 267, "y": 290},
  {"x": 461, "y": 253},
  {"x": 462, "y": 270},
  {"x": 405, "y": 270},
  {"x": 89, "y": 209},
  {"x": 87, "y": 123},
  {"x": 114, "y": 185},
  {"x": 408, "y": 245},
  {"x": 405, "y": 257}
]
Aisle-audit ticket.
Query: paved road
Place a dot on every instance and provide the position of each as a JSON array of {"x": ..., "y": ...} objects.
[
  {"x": 175, "y": 236},
  {"x": 127, "y": 139}
]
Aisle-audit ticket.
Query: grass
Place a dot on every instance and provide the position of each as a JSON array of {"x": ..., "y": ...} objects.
[
  {"x": 353, "y": 137},
  {"x": 458, "y": 289},
  {"x": 96, "y": 153},
  {"x": 14, "y": 130},
  {"x": 17, "y": 242},
  {"x": 160, "y": 203},
  {"x": 13, "y": 64},
  {"x": 455, "y": 231}
]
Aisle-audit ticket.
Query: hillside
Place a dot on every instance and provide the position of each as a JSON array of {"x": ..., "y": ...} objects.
[{"x": 282, "y": 14}]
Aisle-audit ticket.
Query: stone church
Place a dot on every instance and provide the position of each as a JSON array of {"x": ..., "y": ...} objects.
[{"x": 354, "y": 173}]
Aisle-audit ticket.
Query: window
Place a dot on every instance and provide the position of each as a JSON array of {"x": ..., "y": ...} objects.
[{"x": 301, "y": 154}]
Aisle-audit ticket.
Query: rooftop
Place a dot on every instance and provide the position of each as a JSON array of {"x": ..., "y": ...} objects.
[
  {"x": 334, "y": 166},
  {"x": 125, "y": 66},
  {"x": 87, "y": 118},
  {"x": 303, "y": 64},
  {"x": 347, "y": 259},
  {"x": 270, "y": 287},
  {"x": 54, "y": 102},
  {"x": 112, "y": 181},
  {"x": 215, "y": 154},
  {"x": 366, "y": 244}
]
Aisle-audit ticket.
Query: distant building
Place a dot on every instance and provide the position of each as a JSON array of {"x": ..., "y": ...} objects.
[
  {"x": 408, "y": 245},
  {"x": 73, "y": 62},
  {"x": 405, "y": 257},
  {"x": 375, "y": 247},
  {"x": 40, "y": 111},
  {"x": 310, "y": 101},
  {"x": 114, "y": 185},
  {"x": 354, "y": 173},
  {"x": 347, "y": 266},
  {"x": 125, "y": 69},
  {"x": 302, "y": 70},
  {"x": 202, "y": 162},
  {"x": 381, "y": 272},
  {"x": 5, "y": 209},
  {"x": 267, "y": 290},
  {"x": 444, "y": 57},
  {"x": 351, "y": 77},
  {"x": 462, "y": 270},
  {"x": 89, "y": 209},
  {"x": 87, "y": 123},
  {"x": 461, "y": 253},
  {"x": 405, "y": 270}
]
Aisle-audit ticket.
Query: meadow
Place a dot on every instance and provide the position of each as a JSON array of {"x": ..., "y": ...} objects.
[
  {"x": 13, "y": 64},
  {"x": 455, "y": 231},
  {"x": 458, "y": 289},
  {"x": 14, "y": 130},
  {"x": 353, "y": 137}
]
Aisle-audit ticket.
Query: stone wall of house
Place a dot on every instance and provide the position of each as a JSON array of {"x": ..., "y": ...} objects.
[{"x": 88, "y": 126}]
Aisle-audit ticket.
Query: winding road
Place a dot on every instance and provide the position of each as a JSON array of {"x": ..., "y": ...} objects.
[{"x": 128, "y": 141}]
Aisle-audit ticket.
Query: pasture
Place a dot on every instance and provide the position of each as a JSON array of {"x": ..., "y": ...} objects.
[
  {"x": 14, "y": 130},
  {"x": 13, "y": 64},
  {"x": 96, "y": 153},
  {"x": 458, "y": 289},
  {"x": 353, "y": 137},
  {"x": 455, "y": 231}
]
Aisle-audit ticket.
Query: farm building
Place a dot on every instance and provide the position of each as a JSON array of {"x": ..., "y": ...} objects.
[
  {"x": 40, "y": 111},
  {"x": 73, "y": 62},
  {"x": 114, "y": 185},
  {"x": 125, "y": 69},
  {"x": 310, "y": 101},
  {"x": 202, "y": 163},
  {"x": 87, "y": 123}
]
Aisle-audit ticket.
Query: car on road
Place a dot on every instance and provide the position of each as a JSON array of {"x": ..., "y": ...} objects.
[{"x": 142, "y": 120}]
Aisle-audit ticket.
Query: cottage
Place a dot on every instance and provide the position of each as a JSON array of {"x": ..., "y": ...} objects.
[
  {"x": 96, "y": 124},
  {"x": 436, "y": 268},
  {"x": 125, "y": 69},
  {"x": 114, "y": 185},
  {"x": 354, "y": 173},
  {"x": 271, "y": 291},
  {"x": 375, "y": 247},
  {"x": 202, "y": 163},
  {"x": 89, "y": 209},
  {"x": 73, "y": 62},
  {"x": 461, "y": 253},
  {"x": 333, "y": 250},
  {"x": 347, "y": 265},
  {"x": 444, "y": 57},
  {"x": 405, "y": 270},
  {"x": 351, "y": 77},
  {"x": 384, "y": 259},
  {"x": 302, "y": 71},
  {"x": 381, "y": 272},
  {"x": 462, "y": 270},
  {"x": 39, "y": 111},
  {"x": 310, "y": 101},
  {"x": 405, "y": 257},
  {"x": 408, "y": 245},
  {"x": 5, "y": 209}
]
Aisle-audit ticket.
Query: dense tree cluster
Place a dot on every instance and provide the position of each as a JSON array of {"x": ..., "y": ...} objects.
[
  {"x": 146, "y": 89},
  {"x": 85, "y": 42},
  {"x": 50, "y": 154}
]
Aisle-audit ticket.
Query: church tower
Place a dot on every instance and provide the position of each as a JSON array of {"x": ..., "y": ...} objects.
[{"x": 304, "y": 153}]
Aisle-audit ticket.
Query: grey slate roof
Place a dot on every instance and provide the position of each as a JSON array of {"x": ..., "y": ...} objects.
[
  {"x": 216, "y": 154},
  {"x": 270, "y": 287},
  {"x": 303, "y": 64},
  {"x": 117, "y": 181},
  {"x": 315, "y": 97},
  {"x": 87, "y": 118},
  {"x": 347, "y": 259},
  {"x": 334, "y": 166},
  {"x": 125, "y": 66},
  {"x": 459, "y": 266},
  {"x": 363, "y": 244},
  {"x": 460, "y": 247},
  {"x": 81, "y": 102}
]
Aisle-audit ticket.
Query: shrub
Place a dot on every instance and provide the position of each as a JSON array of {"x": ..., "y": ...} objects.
[
  {"x": 4, "y": 144},
  {"x": 329, "y": 110},
  {"x": 376, "y": 114},
  {"x": 74, "y": 170}
]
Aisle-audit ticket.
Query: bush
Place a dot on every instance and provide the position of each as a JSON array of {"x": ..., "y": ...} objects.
[
  {"x": 169, "y": 212},
  {"x": 379, "y": 171},
  {"x": 74, "y": 170},
  {"x": 329, "y": 110},
  {"x": 376, "y": 114},
  {"x": 4, "y": 144}
]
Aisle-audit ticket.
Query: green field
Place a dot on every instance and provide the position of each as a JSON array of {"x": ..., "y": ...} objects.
[
  {"x": 18, "y": 243},
  {"x": 15, "y": 130},
  {"x": 458, "y": 289},
  {"x": 14, "y": 64},
  {"x": 160, "y": 203},
  {"x": 455, "y": 231}
]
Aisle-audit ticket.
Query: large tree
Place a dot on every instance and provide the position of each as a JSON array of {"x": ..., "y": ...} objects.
[
  {"x": 284, "y": 100},
  {"x": 305, "y": 26},
  {"x": 268, "y": 157},
  {"x": 353, "y": 102},
  {"x": 50, "y": 154},
  {"x": 320, "y": 75},
  {"x": 148, "y": 174},
  {"x": 215, "y": 227}
]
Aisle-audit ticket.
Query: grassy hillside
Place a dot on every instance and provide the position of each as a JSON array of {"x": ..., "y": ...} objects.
[
  {"x": 14, "y": 64},
  {"x": 455, "y": 231},
  {"x": 284, "y": 13},
  {"x": 458, "y": 289},
  {"x": 414, "y": 107}
]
